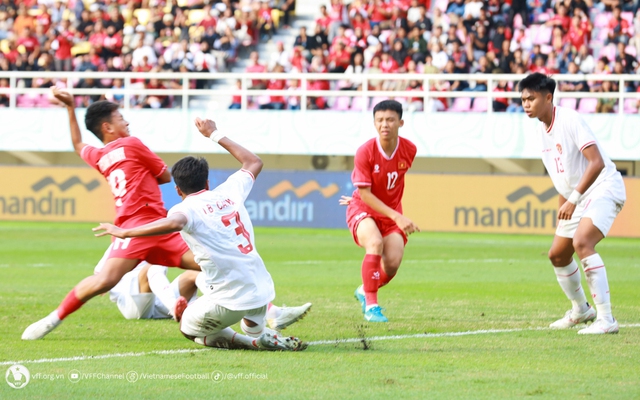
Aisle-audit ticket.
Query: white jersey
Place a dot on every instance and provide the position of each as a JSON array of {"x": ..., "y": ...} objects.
[
  {"x": 220, "y": 234},
  {"x": 563, "y": 142}
]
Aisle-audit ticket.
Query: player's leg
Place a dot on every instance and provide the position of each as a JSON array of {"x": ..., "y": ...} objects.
[
  {"x": 188, "y": 262},
  {"x": 393, "y": 251},
  {"x": 593, "y": 227},
  {"x": 370, "y": 238},
  {"x": 113, "y": 270},
  {"x": 133, "y": 295},
  {"x": 278, "y": 318},
  {"x": 266, "y": 338},
  {"x": 569, "y": 278}
]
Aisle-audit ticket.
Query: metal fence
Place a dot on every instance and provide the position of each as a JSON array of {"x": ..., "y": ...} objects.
[{"x": 222, "y": 85}]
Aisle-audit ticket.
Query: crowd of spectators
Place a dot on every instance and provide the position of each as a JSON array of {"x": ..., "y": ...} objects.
[
  {"x": 349, "y": 37},
  {"x": 414, "y": 37}
]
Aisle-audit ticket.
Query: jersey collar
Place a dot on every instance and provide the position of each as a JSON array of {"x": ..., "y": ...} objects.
[
  {"x": 553, "y": 119},
  {"x": 381, "y": 150}
]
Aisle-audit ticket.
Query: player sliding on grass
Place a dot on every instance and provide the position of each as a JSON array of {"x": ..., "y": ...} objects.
[
  {"x": 216, "y": 226},
  {"x": 374, "y": 212},
  {"x": 592, "y": 194},
  {"x": 146, "y": 293}
]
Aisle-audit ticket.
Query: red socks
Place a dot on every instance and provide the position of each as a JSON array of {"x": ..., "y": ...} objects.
[
  {"x": 69, "y": 305},
  {"x": 373, "y": 277}
]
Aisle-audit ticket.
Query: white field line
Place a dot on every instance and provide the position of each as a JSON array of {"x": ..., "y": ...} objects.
[
  {"x": 419, "y": 261},
  {"x": 314, "y": 343}
]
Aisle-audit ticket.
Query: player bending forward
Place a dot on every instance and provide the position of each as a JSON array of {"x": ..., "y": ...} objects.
[
  {"x": 591, "y": 196},
  {"x": 216, "y": 226},
  {"x": 374, "y": 212}
]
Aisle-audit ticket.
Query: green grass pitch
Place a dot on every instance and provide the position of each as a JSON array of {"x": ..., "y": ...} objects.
[{"x": 497, "y": 290}]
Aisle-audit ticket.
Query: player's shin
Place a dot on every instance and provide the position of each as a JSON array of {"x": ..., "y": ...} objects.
[
  {"x": 70, "y": 304},
  {"x": 371, "y": 278},
  {"x": 571, "y": 284},
  {"x": 227, "y": 339},
  {"x": 161, "y": 287},
  {"x": 596, "y": 275}
]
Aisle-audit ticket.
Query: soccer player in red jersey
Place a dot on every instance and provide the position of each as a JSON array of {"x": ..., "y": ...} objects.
[
  {"x": 134, "y": 173},
  {"x": 374, "y": 212}
]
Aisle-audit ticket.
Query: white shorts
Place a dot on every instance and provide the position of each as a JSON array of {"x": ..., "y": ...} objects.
[
  {"x": 601, "y": 210},
  {"x": 135, "y": 305},
  {"x": 206, "y": 317}
]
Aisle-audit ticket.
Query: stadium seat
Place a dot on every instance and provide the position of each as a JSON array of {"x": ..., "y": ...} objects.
[
  {"x": 4, "y": 46},
  {"x": 544, "y": 35},
  {"x": 359, "y": 103},
  {"x": 630, "y": 106},
  {"x": 568, "y": 103},
  {"x": 461, "y": 104},
  {"x": 608, "y": 51},
  {"x": 377, "y": 100},
  {"x": 480, "y": 104},
  {"x": 631, "y": 50},
  {"x": 587, "y": 105},
  {"x": 341, "y": 103},
  {"x": 26, "y": 101},
  {"x": 602, "y": 20}
]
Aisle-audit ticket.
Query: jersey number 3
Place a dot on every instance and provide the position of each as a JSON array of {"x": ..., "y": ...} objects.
[{"x": 227, "y": 220}]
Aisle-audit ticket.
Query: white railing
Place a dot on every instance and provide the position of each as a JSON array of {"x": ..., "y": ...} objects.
[{"x": 184, "y": 80}]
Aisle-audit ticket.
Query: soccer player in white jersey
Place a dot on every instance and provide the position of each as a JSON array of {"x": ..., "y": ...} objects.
[
  {"x": 216, "y": 226},
  {"x": 591, "y": 194},
  {"x": 146, "y": 293}
]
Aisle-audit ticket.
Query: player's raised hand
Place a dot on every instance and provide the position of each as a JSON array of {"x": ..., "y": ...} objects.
[
  {"x": 109, "y": 229},
  {"x": 344, "y": 200},
  {"x": 206, "y": 127},
  {"x": 407, "y": 226},
  {"x": 62, "y": 95}
]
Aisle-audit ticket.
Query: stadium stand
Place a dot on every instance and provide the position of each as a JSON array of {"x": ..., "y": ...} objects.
[{"x": 340, "y": 37}]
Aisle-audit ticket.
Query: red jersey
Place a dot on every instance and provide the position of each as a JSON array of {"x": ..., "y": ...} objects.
[
  {"x": 384, "y": 175},
  {"x": 131, "y": 170}
]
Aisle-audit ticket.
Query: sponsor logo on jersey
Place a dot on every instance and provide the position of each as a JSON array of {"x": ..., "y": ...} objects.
[
  {"x": 402, "y": 165},
  {"x": 376, "y": 169},
  {"x": 559, "y": 148}
]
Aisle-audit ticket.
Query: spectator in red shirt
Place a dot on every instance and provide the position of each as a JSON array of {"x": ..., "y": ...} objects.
[
  {"x": 325, "y": 20},
  {"x": 63, "y": 43},
  {"x": 378, "y": 12},
  {"x": 578, "y": 35},
  {"x": 339, "y": 58},
  {"x": 236, "y": 99},
  {"x": 618, "y": 27},
  {"x": 29, "y": 41},
  {"x": 112, "y": 43},
  {"x": 387, "y": 64},
  {"x": 97, "y": 36},
  {"x": 256, "y": 66},
  {"x": 359, "y": 21},
  {"x": 44, "y": 18},
  {"x": 276, "y": 102},
  {"x": 208, "y": 21},
  {"x": 265, "y": 22},
  {"x": 561, "y": 19}
]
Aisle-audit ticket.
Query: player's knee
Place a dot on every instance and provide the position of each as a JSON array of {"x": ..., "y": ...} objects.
[
  {"x": 374, "y": 246},
  {"x": 557, "y": 258},
  {"x": 582, "y": 246}
]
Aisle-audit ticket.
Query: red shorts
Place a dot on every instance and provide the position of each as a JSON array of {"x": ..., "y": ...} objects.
[
  {"x": 385, "y": 225},
  {"x": 166, "y": 250}
]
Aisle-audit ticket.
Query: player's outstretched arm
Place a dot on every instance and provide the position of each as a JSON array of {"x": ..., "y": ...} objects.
[
  {"x": 67, "y": 99},
  {"x": 173, "y": 223},
  {"x": 250, "y": 161},
  {"x": 378, "y": 205}
]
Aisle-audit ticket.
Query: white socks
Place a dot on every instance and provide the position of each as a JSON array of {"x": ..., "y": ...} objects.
[
  {"x": 227, "y": 339},
  {"x": 596, "y": 275},
  {"x": 161, "y": 287},
  {"x": 569, "y": 279}
]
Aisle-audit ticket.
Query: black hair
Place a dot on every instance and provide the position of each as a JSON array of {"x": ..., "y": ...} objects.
[
  {"x": 388, "y": 105},
  {"x": 98, "y": 113},
  {"x": 190, "y": 174},
  {"x": 538, "y": 82}
]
